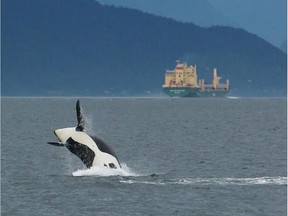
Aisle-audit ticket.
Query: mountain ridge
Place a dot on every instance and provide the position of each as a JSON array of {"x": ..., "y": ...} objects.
[
  {"x": 263, "y": 17},
  {"x": 84, "y": 48}
]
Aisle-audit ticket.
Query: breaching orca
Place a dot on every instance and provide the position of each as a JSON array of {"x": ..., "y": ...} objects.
[{"x": 90, "y": 149}]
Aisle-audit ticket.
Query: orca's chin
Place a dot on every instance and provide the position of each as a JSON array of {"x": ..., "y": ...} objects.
[
  {"x": 64, "y": 134},
  {"x": 57, "y": 136}
]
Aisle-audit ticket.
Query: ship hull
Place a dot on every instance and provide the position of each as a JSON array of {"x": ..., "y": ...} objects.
[
  {"x": 194, "y": 92},
  {"x": 212, "y": 93},
  {"x": 181, "y": 92}
]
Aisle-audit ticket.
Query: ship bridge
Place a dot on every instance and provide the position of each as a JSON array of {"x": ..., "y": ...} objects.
[{"x": 182, "y": 75}]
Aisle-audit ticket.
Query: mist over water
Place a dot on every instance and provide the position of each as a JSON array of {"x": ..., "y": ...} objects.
[{"x": 178, "y": 157}]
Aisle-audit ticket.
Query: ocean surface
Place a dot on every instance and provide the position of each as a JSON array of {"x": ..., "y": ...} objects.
[{"x": 179, "y": 157}]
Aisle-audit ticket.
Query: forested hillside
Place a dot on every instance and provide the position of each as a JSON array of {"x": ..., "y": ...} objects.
[{"x": 59, "y": 48}]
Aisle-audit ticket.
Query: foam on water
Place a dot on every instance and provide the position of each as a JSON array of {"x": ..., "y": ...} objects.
[
  {"x": 103, "y": 171},
  {"x": 278, "y": 180},
  {"x": 237, "y": 181},
  {"x": 231, "y": 97}
]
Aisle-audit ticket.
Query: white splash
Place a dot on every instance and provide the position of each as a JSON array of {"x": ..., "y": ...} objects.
[
  {"x": 103, "y": 171},
  {"x": 88, "y": 124},
  {"x": 278, "y": 180}
]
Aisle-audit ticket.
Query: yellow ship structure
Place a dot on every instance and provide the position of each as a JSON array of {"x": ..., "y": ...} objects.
[{"x": 183, "y": 82}]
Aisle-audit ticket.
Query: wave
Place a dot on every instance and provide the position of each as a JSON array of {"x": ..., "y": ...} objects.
[
  {"x": 103, "y": 171},
  {"x": 161, "y": 178},
  {"x": 278, "y": 180}
]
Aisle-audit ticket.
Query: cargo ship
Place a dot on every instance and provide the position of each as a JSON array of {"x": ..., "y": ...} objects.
[{"x": 183, "y": 82}]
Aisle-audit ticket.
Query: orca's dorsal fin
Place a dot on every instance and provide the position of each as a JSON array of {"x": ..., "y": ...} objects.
[{"x": 80, "y": 126}]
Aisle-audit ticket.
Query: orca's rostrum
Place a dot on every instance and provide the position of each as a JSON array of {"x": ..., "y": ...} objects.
[{"x": 90, "y": 149}]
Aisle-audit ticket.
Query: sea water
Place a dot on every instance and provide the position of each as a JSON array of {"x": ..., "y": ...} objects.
[{"x": 178, "y": 156}]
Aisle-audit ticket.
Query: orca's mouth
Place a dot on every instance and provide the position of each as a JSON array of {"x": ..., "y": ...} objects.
[{"x": 56, "y": 143}]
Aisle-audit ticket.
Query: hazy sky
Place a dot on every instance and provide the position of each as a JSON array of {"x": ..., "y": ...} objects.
[{"x": 266, "y": 18}]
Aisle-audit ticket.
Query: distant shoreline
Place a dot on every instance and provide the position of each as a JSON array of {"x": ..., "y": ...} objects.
[{"x": 136, "y": 97}]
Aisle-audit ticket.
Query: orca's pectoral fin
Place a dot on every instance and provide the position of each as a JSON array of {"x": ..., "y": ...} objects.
[
  {"x": 80, "y": 119},
  {"x": 57, "y": 144}
]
